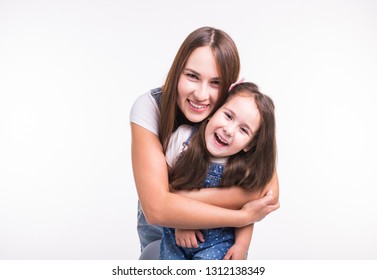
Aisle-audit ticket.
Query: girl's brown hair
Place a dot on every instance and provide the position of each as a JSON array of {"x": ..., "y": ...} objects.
[
  {"x": 228, "y": 67},
  {"x": 251, "y": 170}
]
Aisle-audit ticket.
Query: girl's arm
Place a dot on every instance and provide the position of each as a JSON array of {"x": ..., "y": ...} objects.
[
  {"x": 232, "y": 197},
  {"x": 168, "y": 209},
  {"x": 241, "y": 245}
]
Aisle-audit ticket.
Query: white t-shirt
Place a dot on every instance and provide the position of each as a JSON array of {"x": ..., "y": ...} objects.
[
  {"x": 145, "y": 112},
  {"x": 176, "y": 147}
]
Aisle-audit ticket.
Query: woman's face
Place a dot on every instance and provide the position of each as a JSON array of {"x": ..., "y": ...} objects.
[
  {"x": 232, "y": 127},
  {"x": 198, "y": 85}
]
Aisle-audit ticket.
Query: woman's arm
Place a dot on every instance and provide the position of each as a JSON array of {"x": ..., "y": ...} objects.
[
  {"x": 232, "y": 197},
  {"x": 168, "y": 209}
]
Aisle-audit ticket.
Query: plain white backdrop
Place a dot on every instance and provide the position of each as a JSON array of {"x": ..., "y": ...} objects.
[{"x": 70, "y": 71}]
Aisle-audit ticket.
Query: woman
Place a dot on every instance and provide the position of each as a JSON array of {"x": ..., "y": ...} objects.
[{"x": 205, "y": 66}]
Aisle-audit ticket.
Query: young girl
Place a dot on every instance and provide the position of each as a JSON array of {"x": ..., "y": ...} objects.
[{"x": 235, "y": 147}]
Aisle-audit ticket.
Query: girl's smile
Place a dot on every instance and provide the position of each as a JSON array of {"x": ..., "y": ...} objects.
[{"x": 232, "y": 127}]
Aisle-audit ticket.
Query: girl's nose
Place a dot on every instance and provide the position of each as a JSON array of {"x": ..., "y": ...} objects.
[{"x": 229, "y": 129}]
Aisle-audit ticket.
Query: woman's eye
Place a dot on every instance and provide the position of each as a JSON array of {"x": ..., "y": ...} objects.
[
  {"x": 215, "y": 83},
  {"x": 192, "y": 76}
]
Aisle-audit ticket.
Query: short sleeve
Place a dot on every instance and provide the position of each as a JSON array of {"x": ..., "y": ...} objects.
[{"x": 145, "y": 112}]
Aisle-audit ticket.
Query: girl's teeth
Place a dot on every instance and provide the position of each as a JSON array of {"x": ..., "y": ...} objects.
[{"x": 220, "y": 139}]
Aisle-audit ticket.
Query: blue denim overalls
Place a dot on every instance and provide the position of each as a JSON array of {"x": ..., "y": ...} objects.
[{"x": 217, "y": 241}]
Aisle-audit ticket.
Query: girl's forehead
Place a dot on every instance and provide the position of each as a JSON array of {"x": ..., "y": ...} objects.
[
  {"x": 240, "y": 98},
  {"x": 245, "y": 109}
]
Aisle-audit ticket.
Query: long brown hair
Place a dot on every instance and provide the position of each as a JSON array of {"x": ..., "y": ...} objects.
[
  {"x": 228, "y": 67},
  {"x": 251, "y": 170}
]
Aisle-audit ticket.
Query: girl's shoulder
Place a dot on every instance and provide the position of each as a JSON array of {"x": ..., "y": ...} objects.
[
  {"x": 184, "y": 129},
  {"x": 176, "y": 143},
  {"x": 180, "y": 136}
]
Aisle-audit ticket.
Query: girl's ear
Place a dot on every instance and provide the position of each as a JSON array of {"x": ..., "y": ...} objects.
[{"x": 247, "y": 148}]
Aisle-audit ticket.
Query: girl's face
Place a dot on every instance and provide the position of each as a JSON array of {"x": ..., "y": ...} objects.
[
  {"x": 232, "y": 127},
  {"x": 198, "y": 85}
]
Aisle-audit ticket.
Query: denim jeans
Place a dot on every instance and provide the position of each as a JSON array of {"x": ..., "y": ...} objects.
[{"x": 147, "y": 233}]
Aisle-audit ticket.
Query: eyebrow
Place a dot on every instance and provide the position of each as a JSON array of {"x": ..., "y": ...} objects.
[
  {"x": 191, "y": 70},
  {"x": 252, "y": 132}
]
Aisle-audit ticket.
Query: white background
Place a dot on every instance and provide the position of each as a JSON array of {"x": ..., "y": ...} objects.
[{"x": 70, "y": 71}]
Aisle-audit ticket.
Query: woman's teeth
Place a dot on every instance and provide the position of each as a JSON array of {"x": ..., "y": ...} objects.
[{"x": 197, "y": 106}]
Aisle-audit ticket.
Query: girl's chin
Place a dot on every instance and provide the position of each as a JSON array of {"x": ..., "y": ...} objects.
[{"x": 214, "y": 152}]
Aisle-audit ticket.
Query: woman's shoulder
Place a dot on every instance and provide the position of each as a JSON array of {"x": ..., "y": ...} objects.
[
  {"x": 145, "y": 110},
  {"x": 156, "y": 93},
  {"x": 152, "y": 96}
]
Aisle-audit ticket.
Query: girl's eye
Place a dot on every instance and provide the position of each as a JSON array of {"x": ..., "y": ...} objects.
[
  {"x": 244, "y": 130},
  {"x": 228, "y": 116}
]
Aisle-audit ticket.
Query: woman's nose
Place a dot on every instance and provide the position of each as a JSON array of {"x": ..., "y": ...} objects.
[{"x": 201, "y": 93}]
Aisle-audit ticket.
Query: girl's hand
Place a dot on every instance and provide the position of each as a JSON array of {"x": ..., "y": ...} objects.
[
  {"x": 236, "y": 252},
  {"x": 188, "y": 238},
  {"x": 260, "y": 208}
]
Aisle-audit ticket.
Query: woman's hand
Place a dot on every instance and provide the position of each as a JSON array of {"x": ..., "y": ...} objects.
[
  {"x": 258, "y": 209},
  {"x": 188, "y": 238}
]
